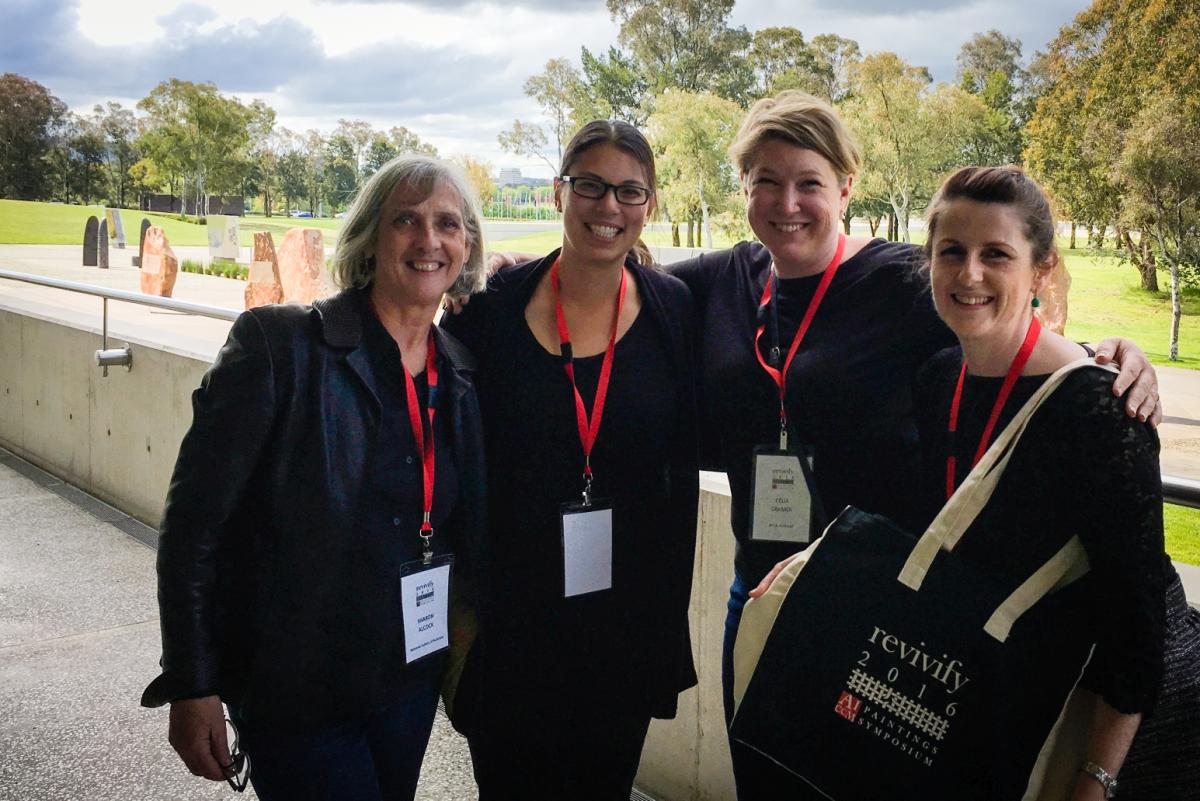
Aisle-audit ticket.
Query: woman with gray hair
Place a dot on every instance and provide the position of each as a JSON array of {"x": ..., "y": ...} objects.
[{"x": 326, "y": 504}]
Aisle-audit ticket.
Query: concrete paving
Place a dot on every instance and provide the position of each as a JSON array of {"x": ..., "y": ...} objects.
[{"x": 79, "y": 640}]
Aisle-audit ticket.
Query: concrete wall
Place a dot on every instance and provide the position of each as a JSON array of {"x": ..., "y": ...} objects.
[
  {"x": 114, "y": 437},
  {"x": 687, "y": 759}
]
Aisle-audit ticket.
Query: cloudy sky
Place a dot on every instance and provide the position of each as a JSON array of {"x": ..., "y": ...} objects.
[{"x": 451, "y": 70}]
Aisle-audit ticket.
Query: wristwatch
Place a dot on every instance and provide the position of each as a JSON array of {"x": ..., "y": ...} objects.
[{"x": 1106, "y": 779}]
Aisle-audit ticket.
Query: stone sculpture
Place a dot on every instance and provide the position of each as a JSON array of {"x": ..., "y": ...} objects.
[
  {"x": 91, "y": 231},
  {"x": 160, "y": 268},
  {"x": 302, "y": 266},
  {"x": 264, "y": 285}
]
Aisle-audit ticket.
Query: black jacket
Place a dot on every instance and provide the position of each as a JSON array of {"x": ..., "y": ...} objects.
[{"x": 270, "y": 593}]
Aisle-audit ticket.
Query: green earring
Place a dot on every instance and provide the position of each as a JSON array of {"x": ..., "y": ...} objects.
[{"x": 1035, "y": 302}]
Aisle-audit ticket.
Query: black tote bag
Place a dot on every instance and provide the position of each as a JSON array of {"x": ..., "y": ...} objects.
[{"x": 884, "y": 667}]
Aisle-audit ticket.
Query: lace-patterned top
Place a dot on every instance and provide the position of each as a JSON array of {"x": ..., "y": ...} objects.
[{"x": 1082, "y": 467}]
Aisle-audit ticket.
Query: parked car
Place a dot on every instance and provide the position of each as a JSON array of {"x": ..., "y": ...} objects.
[{"x": 299, "y": 213}]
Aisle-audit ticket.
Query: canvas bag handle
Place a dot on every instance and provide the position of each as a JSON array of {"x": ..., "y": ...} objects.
[{"x": 973, "y": 495}]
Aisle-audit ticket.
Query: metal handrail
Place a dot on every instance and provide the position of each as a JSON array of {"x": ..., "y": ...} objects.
[
  {"x": 171, "y": 304},
  {"x": 1176, "y": 489}
]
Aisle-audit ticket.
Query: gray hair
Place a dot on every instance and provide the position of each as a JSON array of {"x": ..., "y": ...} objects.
[{"x": 352, "y": 268}]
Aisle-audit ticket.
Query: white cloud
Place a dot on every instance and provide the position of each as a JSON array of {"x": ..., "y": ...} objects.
[{"x": 451, "y": 70}]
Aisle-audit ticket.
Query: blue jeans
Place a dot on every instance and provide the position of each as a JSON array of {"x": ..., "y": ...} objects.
[
  {"x": 373, "y": 758},
  {"x": 738, "y": 595}
]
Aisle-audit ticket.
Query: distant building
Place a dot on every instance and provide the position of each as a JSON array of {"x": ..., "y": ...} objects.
[{"x": 509, "y": 176}]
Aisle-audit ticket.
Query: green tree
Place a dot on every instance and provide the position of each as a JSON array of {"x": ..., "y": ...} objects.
[
  {"x": 691, "y": 133},
  {"x": 781, "y": 59},
  {"x": 911, "y": 132},
  {"x": 989, "y": 67},
  {"x": 836, "y": 58},
  {"x": 197, "y": 132},
  {"x": 687, "y": 45},
  {"x": 1113, "y": 61},
  {"x": 479, "y": 173},
  {"x": 610, "y": 87},
  {"x": 1162, "y": 197},
  {"x": 527, "y": 140},
  {"x": 407, "y": 142},
  {"x": 29, "y": 121},
  {"x": 555, "y": 89},
  {"x": 119, "y": 129}
]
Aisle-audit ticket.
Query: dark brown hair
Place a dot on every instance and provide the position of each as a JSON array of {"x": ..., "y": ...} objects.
[
  {"x": 1008, "y": 185},
  {"x": 616, "y": 132},
  {"x": 629, "y": 139}
]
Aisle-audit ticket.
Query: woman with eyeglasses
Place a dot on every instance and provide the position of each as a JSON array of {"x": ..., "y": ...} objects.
[
  {"x": 325, "y": 508},
  {"x": 586, "y": 386}
]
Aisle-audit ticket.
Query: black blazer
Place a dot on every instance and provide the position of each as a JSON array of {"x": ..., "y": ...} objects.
[{"x": 269, "y": 595}]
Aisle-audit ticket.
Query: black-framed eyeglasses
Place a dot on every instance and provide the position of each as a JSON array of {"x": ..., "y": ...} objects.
[
  {"x": 595, "y": 189},
  {"x": 237, "y": 772}
]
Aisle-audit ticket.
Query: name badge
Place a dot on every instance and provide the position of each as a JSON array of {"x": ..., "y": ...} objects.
[
  {"x": 425, "y": 599},
  {"x": 783, "y": 499},
  {"x": 587, "y": 547}
]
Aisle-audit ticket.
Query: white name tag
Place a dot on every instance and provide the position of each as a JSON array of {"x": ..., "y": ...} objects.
[
  {"x": 425, "y": 599},
  {"x": 782, "y": 502},
  {"x": 587, "y": 548}
]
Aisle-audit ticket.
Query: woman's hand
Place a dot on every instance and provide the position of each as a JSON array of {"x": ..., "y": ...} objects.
[
  {"x": 197, "y": 733},
  {"x": 769, "y": 579},
  {"x": 1137, "y": 376},
  {"x": 496, "y": 261}
]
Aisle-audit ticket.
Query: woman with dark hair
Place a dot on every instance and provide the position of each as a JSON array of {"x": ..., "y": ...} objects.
[
  {"x": 332, "y": 473},
  {"x": 586, "y": 386},
  {"x": 1082, "y": 468}
]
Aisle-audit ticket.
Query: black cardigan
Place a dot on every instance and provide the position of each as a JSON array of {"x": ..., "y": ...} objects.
[{"x": 496, "y": 315}]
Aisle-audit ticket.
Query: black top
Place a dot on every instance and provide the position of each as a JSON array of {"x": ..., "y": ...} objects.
[
  {"x": 628, "y": 645},
  {"x": 849, "y": 387},
  {"x": 1081, "y": 467},
  {"x": 280, "y": 551}
]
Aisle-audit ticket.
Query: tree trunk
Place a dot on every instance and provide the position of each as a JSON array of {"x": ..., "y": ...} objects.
[
  {"x": 707, "y": 225},
  {"x": 1101, "y": 233},
  {"x": 873, "y": 224},
  {"x": 1120, "y": 243},
  {"x": 674, "y": 234},
  {"x": 1176, "y": 311},
  {"x": 891, "y": 234},
  {"x": 1073, "y": 226},
  {"x": 902, "y": 220},
  {"x": 846, "y": 224},
  {"x": 691, "y": 240},
  {"x": 1142, "y": 256}
]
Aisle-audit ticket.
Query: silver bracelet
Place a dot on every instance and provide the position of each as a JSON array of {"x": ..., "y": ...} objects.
[{"x": 1106, "y": 779}]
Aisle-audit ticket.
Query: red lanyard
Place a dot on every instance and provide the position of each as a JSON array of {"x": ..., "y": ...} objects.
[
  {"x": 1014, "y": 370},
  {"x": 780, "y": 376},
  {"x": 424, "y": 443},
  {"x": 587, "y": 428}
]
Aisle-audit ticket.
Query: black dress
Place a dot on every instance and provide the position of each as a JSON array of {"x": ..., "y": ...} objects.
[
  {"x": 1083, "y": 467},
  {"x": 567, "y": 685}
]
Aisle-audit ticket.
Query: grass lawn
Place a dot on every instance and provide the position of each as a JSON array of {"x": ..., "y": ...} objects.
[
  {"x": 1182, "y": 528},
  {"x": 1106, "y": 298},
  {"x": 23, "y": 222}
]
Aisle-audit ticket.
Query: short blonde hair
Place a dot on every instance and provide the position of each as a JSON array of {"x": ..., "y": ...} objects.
[
  {"x": 352, "y": 268},
  {"x": 799, "y": 119}
]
